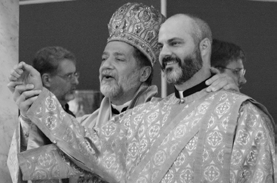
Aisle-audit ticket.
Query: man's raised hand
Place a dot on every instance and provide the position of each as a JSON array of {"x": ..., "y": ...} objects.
[
  {"x": 24, "y": 74},
  {"x": 25, "y": 84}
]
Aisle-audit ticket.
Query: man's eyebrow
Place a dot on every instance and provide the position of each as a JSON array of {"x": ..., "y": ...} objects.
[
  {"x": 175, "y": 39},
  {"x": 104, "y": 53},
  {"x": 172, "y": 39},
  {"x": 119, "y": 54}
]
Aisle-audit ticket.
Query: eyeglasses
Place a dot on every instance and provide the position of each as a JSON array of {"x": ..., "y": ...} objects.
[
  {"x": 70, "y": 77},
  {"x": 238, "y": 71}
]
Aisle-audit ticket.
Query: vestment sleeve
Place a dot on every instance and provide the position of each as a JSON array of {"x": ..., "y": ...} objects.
[
  {"x": 47, "y": 162},
  {"x": 253, "y": 154},
  {"x": 80, "y": 144},
  {"x": 26, "y": 136}
]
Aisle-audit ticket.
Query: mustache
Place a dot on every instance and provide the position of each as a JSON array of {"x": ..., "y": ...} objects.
[
  {"x": 168, "y": 59},
  {"x": 107, "y": 72}
]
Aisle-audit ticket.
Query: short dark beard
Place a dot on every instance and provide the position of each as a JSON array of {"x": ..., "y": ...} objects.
[{"x": 190, "y": 65}]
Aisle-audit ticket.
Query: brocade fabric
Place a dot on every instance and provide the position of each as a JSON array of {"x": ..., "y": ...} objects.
[
  {"x": 28, "y": 136},
  {"x": 208, "y": 137}
]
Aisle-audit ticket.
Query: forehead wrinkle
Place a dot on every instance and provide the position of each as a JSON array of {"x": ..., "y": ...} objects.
[{"x": 119, "y": 53}]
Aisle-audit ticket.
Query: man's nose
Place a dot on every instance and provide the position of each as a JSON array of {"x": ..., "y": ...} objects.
[
  {"x": 165, "y": 51},
  {"x": 242, "y": 80},
  {"x": 75, "y": 80},
  {"x": 106, "y": 64}
]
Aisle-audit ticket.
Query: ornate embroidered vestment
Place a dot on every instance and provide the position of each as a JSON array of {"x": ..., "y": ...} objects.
[
  {"x": 216, "y": 137},
  {"x": 27, "y": 136}
]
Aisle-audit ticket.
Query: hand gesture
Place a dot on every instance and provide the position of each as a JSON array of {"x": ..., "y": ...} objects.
[
  {"x": 25, "y": 84},
  {"x": 25, "y": 74}
]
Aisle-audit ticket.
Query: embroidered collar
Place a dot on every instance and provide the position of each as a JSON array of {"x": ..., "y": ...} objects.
[{"x": 192, "y": 90}]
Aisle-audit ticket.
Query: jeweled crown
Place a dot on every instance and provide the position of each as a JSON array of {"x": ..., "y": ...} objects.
[{"x": 138, "y": 25}]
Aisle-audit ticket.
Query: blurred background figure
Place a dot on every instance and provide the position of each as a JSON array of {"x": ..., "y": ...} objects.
[
  {"x": 229, "y": 59},
  {"x": 57, "y": 67}
]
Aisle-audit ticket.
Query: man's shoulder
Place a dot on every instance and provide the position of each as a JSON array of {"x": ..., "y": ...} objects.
[
  {"x": 229, "y": 92},
  {"x": 246, "y": 106},
  {"x": 232, "y": 95},
  {"x": 250, "y": 106},
  {"x": 246, "y": 100}
]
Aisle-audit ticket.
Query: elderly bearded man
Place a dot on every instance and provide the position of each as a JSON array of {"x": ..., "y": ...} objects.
[
  {"x": 105, "y": 150},
  {"x": 126, "y": 70}
]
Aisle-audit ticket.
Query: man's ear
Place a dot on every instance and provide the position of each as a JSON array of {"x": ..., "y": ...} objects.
[
  {"x": 46, "y": 80},
  {"x": 145, "y": 72},
  {"x": 205, "y": 47}
]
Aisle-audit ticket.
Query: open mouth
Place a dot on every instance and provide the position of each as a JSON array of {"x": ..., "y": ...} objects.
[
  {"x": 107, "y": 77},
  {"x": 169, "y": 63}
]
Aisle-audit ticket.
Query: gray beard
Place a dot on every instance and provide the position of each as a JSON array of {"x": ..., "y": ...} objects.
[{"x": 111, "y": 91}]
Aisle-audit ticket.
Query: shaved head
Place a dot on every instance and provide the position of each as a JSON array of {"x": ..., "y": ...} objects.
[
  {"x": 185, "y": 43},
  {"x": 199, "y": 28}
]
